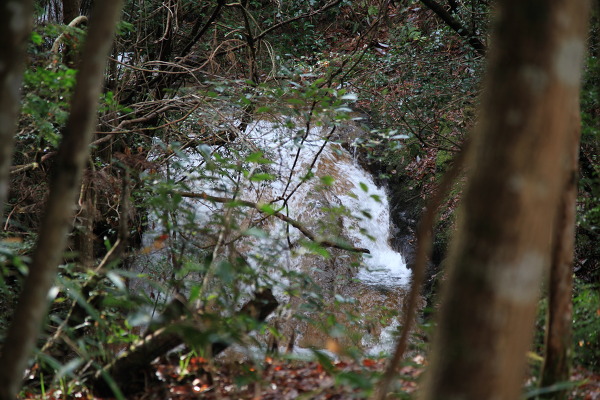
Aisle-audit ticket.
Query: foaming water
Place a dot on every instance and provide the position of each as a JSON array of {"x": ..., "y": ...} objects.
[
  {"x": 292, "y": 155},
  {"x": 353, "y": 187},
  {"x": 384, "y": 265}
]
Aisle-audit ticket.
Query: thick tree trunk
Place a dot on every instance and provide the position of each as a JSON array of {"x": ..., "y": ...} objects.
[
  {"x": 70, "y": 10},
  {"x": 57, "y": 221},
  {"x": 16, "y": 18},
  {"x": 558, "y": 344},
  {"x": 503, "y": 244}
]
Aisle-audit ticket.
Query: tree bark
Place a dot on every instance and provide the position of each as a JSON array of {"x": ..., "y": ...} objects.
[
  {"x": 557, "y": 359},
  {"x": 57, "y": 221},
  {"x": 503, "y": 244},
  {"x": 16, "y": 18},
  {"x": 70, "y": 10}
]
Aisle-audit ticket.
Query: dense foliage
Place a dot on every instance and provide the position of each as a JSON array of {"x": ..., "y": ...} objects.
[{"x": 185, "y": 81}]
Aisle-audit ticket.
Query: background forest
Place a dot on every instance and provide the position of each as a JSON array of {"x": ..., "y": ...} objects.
[{"x": 200, "y": 231}]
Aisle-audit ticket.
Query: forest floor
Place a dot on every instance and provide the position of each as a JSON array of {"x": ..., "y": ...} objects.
[
  {"x": 195, "y": 378},
  {"x": 290, "y": 380}
]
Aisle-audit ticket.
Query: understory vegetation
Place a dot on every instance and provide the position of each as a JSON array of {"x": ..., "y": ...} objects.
[{"x": 213, "y": 241}]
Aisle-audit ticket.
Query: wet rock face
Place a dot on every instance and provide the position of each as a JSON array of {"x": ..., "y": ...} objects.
[
  {"x": 405, "y": 205},
  {"x": 375, "y": 309}
]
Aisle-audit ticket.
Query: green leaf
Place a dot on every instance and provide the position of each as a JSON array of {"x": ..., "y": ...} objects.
[
  {"x": 354, "y": 379},
  {"x": 364, "y": 187},
  {"x": 225, "y": 271},
  {"x": 267, "y": 209},
  {"x": 256, "y": 232},
  {"x": 324, "y": 360},
  {"x": 316, "y": 248},
  {"x": 194, "y": 293},
  {"x": 263, "y": 109},
  {"x": 262, "y": 176},
  {"x": 327, "y": 180},
  {"x": 553, "y": 388},
  {"x": 258, "y": 158},
  {"x": 308, "y": 176},
  {"x": 376, "y": 198},
  {"x": 116, "y": 279},
  {"x": 299, "y": 102},
  {"x": 36, "y": 38},
  {"x": 69, "y": 368}
]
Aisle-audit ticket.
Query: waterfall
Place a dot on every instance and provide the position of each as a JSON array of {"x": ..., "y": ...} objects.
[
  {"x": 291, "y": 155},
  {"x": 309, "y": 178},
  {"x": 353, "y": 187}
]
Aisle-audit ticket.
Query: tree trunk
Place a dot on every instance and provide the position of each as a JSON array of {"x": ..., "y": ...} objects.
[
  {"x": 558, "y": 344},
  {"x": 86, "y": 7},
  {"x": 521, "y": 150},
  {"x": 84, "y": 229},
  {"x": 70, "y": 10},
  {"x": 57, "y": 221},
  {"x": 16, "y": 18}
]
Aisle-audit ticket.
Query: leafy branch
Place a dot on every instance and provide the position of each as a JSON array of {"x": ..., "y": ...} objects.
[{"x": 260, "y": 208}]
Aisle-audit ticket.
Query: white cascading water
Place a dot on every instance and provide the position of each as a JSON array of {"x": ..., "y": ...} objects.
[
  {"x": 353, "y": 187},
  {"x": 383, "y": 265}
]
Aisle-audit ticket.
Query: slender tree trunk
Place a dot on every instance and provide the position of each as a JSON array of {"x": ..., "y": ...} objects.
[
  {"x": 557, "y": 359},
  {"x": 84, "y": 233},
  {"x": 57, "y": 221},
  {"x": 16, "y": 17},
  {"x": 502, "y": 247}
]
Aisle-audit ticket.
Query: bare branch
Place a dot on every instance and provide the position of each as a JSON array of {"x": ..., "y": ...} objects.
[{"x": 457, "y": 26}]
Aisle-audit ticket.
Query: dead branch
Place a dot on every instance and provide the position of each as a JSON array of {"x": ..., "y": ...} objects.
[
  {"x": 82, "y": 19},
  {"x": 128, "y": 370},
  {"x": 457, "y": 26}
]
